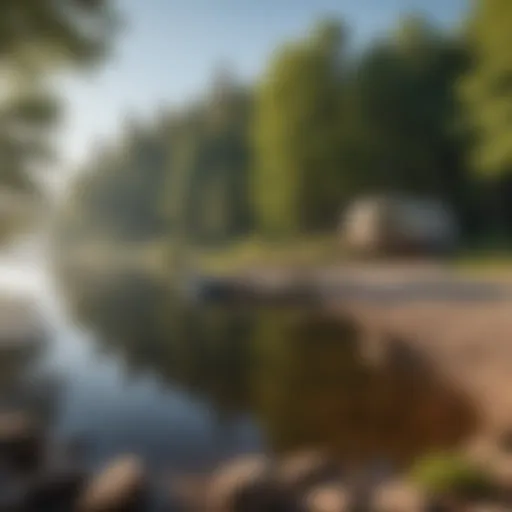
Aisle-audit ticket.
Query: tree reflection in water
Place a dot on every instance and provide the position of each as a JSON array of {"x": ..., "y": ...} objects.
[{"x": 300, "y": 375}]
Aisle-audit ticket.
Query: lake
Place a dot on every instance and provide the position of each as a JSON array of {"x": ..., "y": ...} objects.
[{"x": 130, "y": 369}]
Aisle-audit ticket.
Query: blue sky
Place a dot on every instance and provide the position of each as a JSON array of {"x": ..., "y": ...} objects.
[{"x": 170, "y": 48}]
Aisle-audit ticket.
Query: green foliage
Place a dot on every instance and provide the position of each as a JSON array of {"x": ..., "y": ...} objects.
[
  {"x": 327, "y": 129},
  {"x": 218, "y": 204},
  {"x": 36, "y": 40},
  {"x": 487, "y": 90},
  {"x": 298, "y": 110},
  {"x": 318, "y": 130},
  {"x": 403, "y": 113},
  {"x": 36, "y": 35},
  {"x": 486, "y": 93},
  {"x": 184, "y": 176},
  {"x": 26, "y": 121},
  {"x": 450, "y": 474}
]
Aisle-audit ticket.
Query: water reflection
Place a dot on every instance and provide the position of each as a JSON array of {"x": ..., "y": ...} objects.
[
  {"x": 316, "y": 384},
  {"x": 304, "y": 378}
]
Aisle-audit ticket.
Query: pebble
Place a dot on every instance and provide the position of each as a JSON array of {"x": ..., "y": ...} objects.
[{"x": 119, "y": 487}]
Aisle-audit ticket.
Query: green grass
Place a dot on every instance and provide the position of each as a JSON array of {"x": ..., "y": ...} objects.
[
  {"x": 484, "y": 262},
  {"x": 489, "y": 255},
  {"x": 257, "y": 252},
  {"x": 450, "y": 474}
]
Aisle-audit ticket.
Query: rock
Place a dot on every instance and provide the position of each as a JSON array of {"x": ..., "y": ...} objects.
[
  {"x": 21, "y": 441},
  {"x": 299, "y": 472},
  {"x": 246, "y": 485},
  {"x": 399, "y": 497},
  {"x": 120, "y": 487},
  {"x": 188, "y": 490},
  {"x": 332, "y": 498},
  {"x": 361, "y": 492}
]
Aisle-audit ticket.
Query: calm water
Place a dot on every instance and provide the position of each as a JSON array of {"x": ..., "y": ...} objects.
[{"x": 130, "y": 369}]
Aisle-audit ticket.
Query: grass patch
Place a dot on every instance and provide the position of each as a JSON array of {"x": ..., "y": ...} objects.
[
  {"x": 451, "y": 474},
  {"x": 484, "y": 263},
  {"x": 485, "y": 256},
  {"x": 257, "y": 252}
]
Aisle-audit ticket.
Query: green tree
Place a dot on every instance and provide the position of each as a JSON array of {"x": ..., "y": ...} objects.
[
  {"x": 404, "y": 112},
  {"x": 34, "y": 36},
  {"x": 208, "y": 168},
  {"x": 220, "y": 197},
  {"x": 37, "y": 40},
  {"x": 487, "y": 94},
  {"x": 296, "y": 177},
  {"x": 488, "y": 87},
  {"x": 403, "y": 118}
]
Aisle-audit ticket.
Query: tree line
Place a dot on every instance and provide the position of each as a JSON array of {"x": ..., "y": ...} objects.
[{"x": 423, "y": 111}]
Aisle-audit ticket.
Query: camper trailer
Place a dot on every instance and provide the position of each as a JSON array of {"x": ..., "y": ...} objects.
[{"x": 399, "y": 225}]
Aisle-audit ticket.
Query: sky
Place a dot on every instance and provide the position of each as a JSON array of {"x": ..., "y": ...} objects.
[{"x": 169, "y": 50}]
